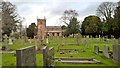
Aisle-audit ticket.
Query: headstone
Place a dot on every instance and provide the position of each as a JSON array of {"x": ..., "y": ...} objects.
[
  {"x": 26, "y": 57},
  {"x": 106, "y": 51},
  {"x": 5, "y": 43},
  {"x": 47, "y": 40},
  {"x": 86, "y": 43},
  {"x": 51, "y": 56},
  {"x": 48, "y": 56},
  {"x": 116, "y": 53},
  {"x": 10, "y": 41},
  {"x": 45, "y": 57},
  {"x": 96, "y": 49}
]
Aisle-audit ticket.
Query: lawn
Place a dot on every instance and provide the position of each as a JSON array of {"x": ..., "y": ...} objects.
[{"x": 10, "y": 59}]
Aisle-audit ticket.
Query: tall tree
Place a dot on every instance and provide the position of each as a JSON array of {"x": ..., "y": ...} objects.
[
  {"x": 10, "y": 18},
  {"x": 31, "y": 30},
  {"x": 116, "y": 24},
  {"x": 106, "y": 11},
  {"x": 91, "y": 25},
  {"x": 73, "y": 27},
  {"x": 67, "y": 15}
]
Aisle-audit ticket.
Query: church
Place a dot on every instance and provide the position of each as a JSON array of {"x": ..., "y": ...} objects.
[{"x": 44, "y": 31}]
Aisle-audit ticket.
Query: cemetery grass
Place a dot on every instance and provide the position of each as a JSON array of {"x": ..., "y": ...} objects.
[{"x": 10, "y": 59}]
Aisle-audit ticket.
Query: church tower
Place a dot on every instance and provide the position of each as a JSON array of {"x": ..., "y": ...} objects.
[{"x": 41, "y": 28}]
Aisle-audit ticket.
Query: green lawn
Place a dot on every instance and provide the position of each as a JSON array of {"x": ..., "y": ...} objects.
[{"x": 10, "y": 59}]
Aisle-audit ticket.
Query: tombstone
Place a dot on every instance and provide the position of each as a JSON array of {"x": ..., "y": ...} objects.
[
  {"x": 26, "y": 57},
  {"x": 10, "y": 41},
  {"x": 5, "y": 43},
  {"x": 47, "y": 40},
  {"x": 86, "y": 43},
  {"x": 116, "y": 53},
  {"x": 48, "y": 57},
  {"x": 106, "y": 51},
  {"x": 96, "y": 49},
  {"x": 51, "y": 56},
  {"x": 45, "y": 57}
]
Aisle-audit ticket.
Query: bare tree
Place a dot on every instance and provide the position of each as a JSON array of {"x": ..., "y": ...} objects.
[
  {"x": 67, "y": 15},
  {"x": 106, "y": 10}
]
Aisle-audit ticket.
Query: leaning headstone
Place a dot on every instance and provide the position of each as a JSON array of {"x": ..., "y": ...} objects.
[
  {"x": 106, "y": 51},
  {"x": 96, "y": 49},
  {"x": 26, "y": 57},
  {"x": 116, "y": 53},
  {"x": 45, "y": 57}
]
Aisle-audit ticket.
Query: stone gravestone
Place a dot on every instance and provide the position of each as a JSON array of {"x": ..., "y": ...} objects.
[
  {"x": 106, "y": 51},
  {"x": 48, "y": 56},
  {"x": 96, "y": 49},
  {"x": 51, "y": 56},
  {"x": 45, "y": 57},
  {"x": 87, "y": 43},
  {"x": 26, "y": 57},
  {"x": 10, "y": 41},
  {"x": 116, "y": 53},
  {"x": 5, "y": 43}
]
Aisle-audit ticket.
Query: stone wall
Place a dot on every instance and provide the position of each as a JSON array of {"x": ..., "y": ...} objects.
[
  {"x": 116, "y": 53},
  {"x": 26, "y": 57}
]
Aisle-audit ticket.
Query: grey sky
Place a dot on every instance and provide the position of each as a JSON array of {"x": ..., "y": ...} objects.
[{"x": 53, "y": 9}]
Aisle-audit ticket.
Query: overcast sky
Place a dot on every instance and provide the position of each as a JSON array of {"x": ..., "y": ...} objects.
[{"x": 53, "y": 9}]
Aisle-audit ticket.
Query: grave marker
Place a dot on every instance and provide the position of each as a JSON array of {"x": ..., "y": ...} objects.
[
  {"x": 96, "y": 49},
  {"x": 48, "y": 57},
  {"x": 106, "y": 51},
  {"x": 10, "y": 41},
  {"x": 26, "y": 57},
  {"x": 116, "y": 53}
]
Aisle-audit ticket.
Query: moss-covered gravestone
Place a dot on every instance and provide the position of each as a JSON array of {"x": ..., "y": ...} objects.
[{"x": 26, "y": 57}]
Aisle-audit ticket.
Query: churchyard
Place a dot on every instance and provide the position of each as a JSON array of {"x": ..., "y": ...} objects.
[{"x": 59, "y": 52}]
